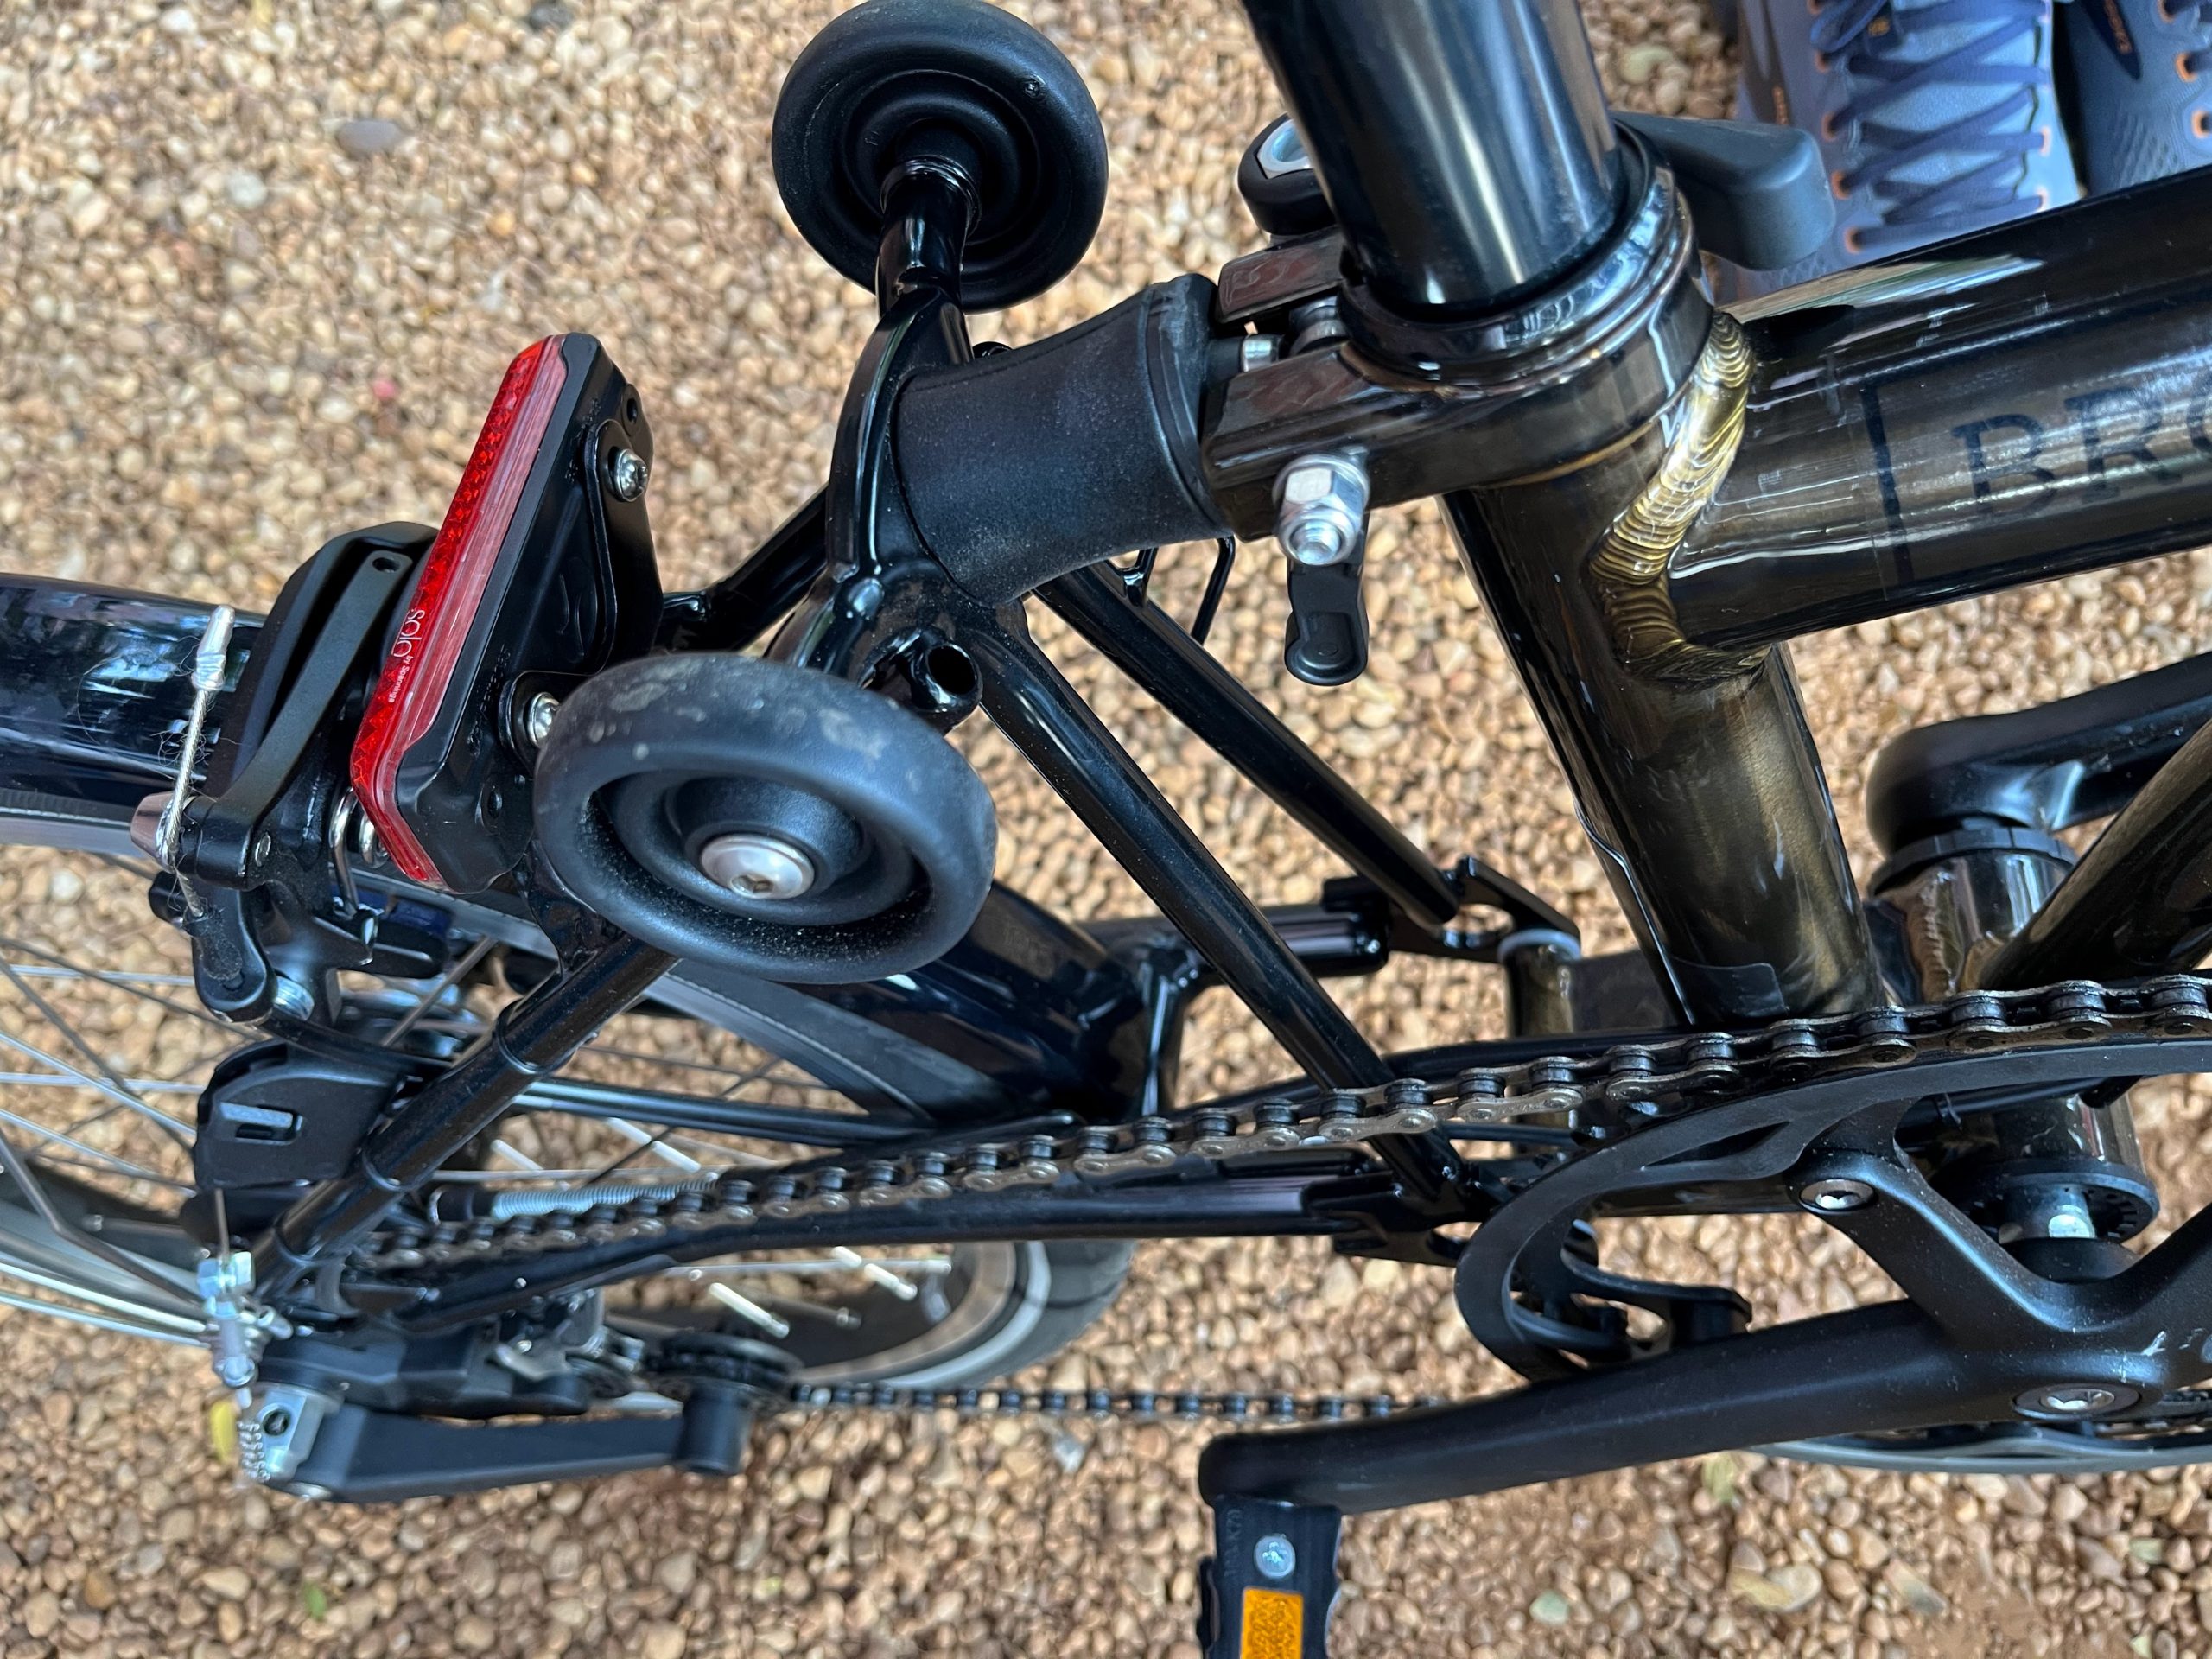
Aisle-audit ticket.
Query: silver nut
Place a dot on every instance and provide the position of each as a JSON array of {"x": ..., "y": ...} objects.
[
  {"x": 1321, "y": 508},
  {"x": 626, "y": 472},
  {"x": 1835, "y": 1195},
  {"x": 1275, "y": 1556},
  {"x": 148, "y": 821},
  {"x": 293, "y": 999},
  {"x": 757, "y": 867},
  {"x": 537, "y": 719}
]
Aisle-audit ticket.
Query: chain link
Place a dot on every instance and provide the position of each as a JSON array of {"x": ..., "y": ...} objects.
[
  {"x": 1141, "y": 1405},
  {"x": 1618, "y": 1088}
]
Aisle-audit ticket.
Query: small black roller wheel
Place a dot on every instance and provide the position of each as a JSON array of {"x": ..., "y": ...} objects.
[
  {"x": 893, "y": 81},
  {"x": 764, "y": 818}
]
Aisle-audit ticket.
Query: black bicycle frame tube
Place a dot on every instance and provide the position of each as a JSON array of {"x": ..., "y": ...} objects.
[
  {"x": 2024, "y": 403},
  {"x": 1056, "y": 731},
  {"x": 1463, "y": 144},
  {"x": 1211, "y": 1206},
  {"x": 532, "y": 1038},
  {"x": 1703, "y": 796},
  {"x": 1885, "y": 1367},
  {"x": 1153, "y": 650},
  {"x": 731, "y": 613},
  {"x": 2141, "y": 901},
  {"x": 1695, "y": 772}
]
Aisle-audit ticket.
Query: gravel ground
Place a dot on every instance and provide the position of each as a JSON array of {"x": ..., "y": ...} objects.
[{"x": 260, "y": 266}]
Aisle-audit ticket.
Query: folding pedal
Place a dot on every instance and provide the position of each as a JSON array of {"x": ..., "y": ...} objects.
[{"x": 1269, "y": 1587}]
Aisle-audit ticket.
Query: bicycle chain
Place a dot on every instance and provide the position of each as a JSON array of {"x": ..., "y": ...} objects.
[
  {"x": 1229, "y": 1408},
  {"x": 1630, "y": 1081}
]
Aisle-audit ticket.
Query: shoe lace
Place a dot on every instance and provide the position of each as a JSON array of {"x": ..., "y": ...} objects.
[{"x": 1985, "y": 189}]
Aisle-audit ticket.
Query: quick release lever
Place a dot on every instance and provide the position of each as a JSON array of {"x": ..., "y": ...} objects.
[{"x": 1321, "y": 521}]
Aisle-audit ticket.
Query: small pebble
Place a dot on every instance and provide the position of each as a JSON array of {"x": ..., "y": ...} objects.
[{"x": 371, "y": 136}]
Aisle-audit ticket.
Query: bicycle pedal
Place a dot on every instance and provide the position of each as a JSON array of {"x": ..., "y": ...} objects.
[{"x": 1268, "y": 1589}]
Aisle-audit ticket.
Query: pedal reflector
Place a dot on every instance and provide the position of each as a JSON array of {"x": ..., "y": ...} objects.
[
  {"x": 1274, "y": 1625},
  {"x": 1271, "y": 1581}
]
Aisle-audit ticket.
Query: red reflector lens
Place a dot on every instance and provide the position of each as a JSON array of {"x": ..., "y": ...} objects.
[{"x": 447, "y": 592}]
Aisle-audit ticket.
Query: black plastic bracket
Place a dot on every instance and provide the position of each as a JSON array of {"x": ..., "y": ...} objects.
[
  {"x": 1271, "y": 1581},
  {"x": 253, "y": 845},
  {"x": 1326, "y": 640},
  {"x": 1757, "y": 194}
]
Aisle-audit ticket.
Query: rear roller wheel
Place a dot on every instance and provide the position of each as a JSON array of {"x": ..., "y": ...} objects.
[{"x": 764, "y": 818}]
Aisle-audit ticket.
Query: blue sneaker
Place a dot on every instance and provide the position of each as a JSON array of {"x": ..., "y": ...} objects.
[
  {"x": 1935, "y": 117},
  {"x": 2142, "y": 75}
]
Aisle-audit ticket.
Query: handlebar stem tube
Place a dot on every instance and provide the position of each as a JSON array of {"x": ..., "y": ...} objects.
[{"x": 1462, "y": 144}]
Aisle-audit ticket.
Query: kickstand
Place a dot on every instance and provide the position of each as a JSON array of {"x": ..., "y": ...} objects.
[{"x": 1271, "y": 1581}]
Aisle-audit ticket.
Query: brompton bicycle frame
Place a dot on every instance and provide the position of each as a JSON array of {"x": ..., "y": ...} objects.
[{"x": 1651, "y": 495}]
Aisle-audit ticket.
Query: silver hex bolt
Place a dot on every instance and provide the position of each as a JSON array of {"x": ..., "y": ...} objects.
[
  {"x": 626, "y": 472},
  {"x": 1321, "y": 508}
]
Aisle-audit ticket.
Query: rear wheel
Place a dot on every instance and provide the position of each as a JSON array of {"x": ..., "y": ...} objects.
[{"x": 104, "y": 1051}]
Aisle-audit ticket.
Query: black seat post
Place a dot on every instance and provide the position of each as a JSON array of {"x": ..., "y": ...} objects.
[{"x": 1462, "y": 144}]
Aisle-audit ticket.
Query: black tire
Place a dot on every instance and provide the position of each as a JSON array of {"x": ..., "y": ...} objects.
[{"x": 1086, "y": 1275}]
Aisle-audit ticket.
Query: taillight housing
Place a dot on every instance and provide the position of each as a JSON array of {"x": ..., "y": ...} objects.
[{"x": 541, "y": 574}]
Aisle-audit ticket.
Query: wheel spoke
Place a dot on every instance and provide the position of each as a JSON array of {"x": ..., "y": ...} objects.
[
  {"x": 746, "y": 1308},
  {"x": 130, "y": 984},
  {"x": 741, "y": 1079},
  {"x": 115, "y": 976},
  {"x": 122, "y": 1098},
  {"x": 40, "y": 1279},
  {"x": 98, "y": 1321},
  {"x": 54, "y": 1161},
  {"x": 128, "y": 1097},
  {"x": 446, "y": 981},
  {"x": 927, "y": 1266},
  {"x": 655, "y": 1144},
  {"x": 19, "y": 1171},
  {"x": 139, "y": 1086},
  {"x": 108, "y": 1160}
]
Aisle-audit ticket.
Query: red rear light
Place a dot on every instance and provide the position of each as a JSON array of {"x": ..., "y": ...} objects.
[{"x": 447, "y": 593}]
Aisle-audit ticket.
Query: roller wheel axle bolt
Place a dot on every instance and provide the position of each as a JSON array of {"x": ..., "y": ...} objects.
[{"x": 757, "y": 866}]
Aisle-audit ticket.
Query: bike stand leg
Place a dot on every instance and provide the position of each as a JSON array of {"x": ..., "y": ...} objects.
[{"x": 1272, "y": 1580}]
